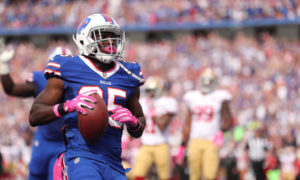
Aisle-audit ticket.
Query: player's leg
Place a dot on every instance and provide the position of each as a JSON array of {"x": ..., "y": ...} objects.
[
  {"x": 195, "y": 158},
  {"x": 87, "y": 169},
  {"x": 109, "y": 173},
  {"x": 143, "y": 162},
  {"x": 38, "y": 165},
  {"x": 33, "y": 176},
  {"x": 58, "y": 168},
  {"x": 210, "y": 160},
  {"x": 81, "y": 168},
  {"x": 162, "y": 161},
  {"x": 55, "y": 148},
  {"x": 50, "y": 168},
  {"x": 129, "y": 174}
]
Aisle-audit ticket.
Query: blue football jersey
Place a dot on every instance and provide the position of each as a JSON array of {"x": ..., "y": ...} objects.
[
  {"x": 115, "y": 86},
  {"x": 52, "y": 131}
]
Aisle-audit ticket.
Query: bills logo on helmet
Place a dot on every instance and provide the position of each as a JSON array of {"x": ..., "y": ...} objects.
[{"x": 83, "y": 24}]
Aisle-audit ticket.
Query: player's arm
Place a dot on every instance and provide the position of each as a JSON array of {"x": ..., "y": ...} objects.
[
  {"x": 187, "y": 128},
  {"x": 185, "y": 137},
  {"x": 226, "y": 115},
  {"x": 9, "y": 86},
  {"x": 135, "y": 107},
  {"x": 163, "y": 121},
  {"x": 21, "y": 89},
  {"x": 49, "y": 105},
  {"x": 42, "y": 108}
]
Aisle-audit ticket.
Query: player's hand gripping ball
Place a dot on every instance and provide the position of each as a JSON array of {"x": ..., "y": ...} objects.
[{"x": 93, "y": 124}]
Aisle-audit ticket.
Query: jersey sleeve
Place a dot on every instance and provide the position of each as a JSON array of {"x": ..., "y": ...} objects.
[
  {"x": 56, "y": 66},
  {"x": 39, "y": 81},
  {"x": 166, "y": 105},
  {"x": 224, "y": 95},
  {"x": 188, "y": 97},
  {"x": 139, "y": 73},
  {"x": 135, "y": 71}
]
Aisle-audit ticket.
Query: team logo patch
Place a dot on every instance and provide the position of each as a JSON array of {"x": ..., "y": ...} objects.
[
  {"x": 76, "y": 160},
  {"x": 104, "y": 75},
  {"x": 105, "y": 82},
  {"x": 83, "y": 24},
  {"x": 36, "y": 143}
]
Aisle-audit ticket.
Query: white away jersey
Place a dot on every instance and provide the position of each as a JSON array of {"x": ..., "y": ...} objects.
[
  {"x": 206, "y": 112},
  {"x": 152, "y": 134}
]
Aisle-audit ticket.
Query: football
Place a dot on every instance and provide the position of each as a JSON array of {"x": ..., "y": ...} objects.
[{"x": 93, "y": 125}]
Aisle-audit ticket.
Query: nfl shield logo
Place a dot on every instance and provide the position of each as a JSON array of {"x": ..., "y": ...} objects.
[{"x": 104, "y": 75}]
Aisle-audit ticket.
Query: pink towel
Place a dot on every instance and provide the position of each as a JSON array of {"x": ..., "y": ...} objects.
[{"x": 58, "y": 168}]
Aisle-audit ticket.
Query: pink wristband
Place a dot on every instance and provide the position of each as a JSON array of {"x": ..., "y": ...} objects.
[{"x": 55, "y": 109}]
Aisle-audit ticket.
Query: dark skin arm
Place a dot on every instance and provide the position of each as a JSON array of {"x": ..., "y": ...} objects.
[
  {"x": 19, "y": 90},
  {"x": 134, "y": 106},
  {"x": 187, "y": 128},
  {"x": 163, "y": 121},
  {"x": 226, "y": 115},
  {"x": 42, "y": 109}
]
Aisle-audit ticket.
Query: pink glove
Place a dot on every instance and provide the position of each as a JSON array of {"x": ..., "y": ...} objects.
[
  {"x": 76, "y": 104},
  {"x": 180, "y": 155},
  {"x": 123, "y": 115}
]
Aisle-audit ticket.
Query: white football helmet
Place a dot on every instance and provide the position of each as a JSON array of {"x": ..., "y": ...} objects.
[
  {"x": 208, "y": 80},
  {"x": 90, "y": 34},
  {"x": 154, "y": 85},
  {"x": 59, "y": 50}
]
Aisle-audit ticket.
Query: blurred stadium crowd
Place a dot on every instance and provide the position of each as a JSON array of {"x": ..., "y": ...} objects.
[
  {"x": 48, "y": 13},
  {"x": 263, "y": 76},
  {"x": 262, "y": 73}
]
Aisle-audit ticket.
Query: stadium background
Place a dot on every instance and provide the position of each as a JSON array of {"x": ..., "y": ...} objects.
[{"x": 253, "y": 44}]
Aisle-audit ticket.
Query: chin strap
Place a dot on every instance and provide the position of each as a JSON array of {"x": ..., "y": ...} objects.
[{"x": 80, "y": 46}]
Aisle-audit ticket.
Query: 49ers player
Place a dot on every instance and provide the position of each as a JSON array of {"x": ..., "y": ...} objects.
[
  {"x": 208, "y": 114},
  {"x": 159, "y": 110}
]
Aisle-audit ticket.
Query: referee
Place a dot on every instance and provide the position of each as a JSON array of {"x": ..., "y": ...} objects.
[{"x": 256, "y": 146}]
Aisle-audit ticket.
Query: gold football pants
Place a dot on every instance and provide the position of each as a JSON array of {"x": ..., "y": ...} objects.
[
  {"x": 159, "y": 155},
  {"x": 203, "y": 159}
]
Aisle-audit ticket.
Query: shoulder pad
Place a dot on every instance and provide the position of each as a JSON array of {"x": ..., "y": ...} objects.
[
  {"x": 133, "y": 69},
  {"x": 56, "y": 64},
  {"x": 223, "y": 95}
]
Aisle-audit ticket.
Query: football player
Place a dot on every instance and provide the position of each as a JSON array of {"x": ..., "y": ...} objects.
[
  {"x": 97, "y": 69},
  {"x": 208, "y": 113},
  {"x": 48, "y": 139},
  {"x": 159, "y": 110}
]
